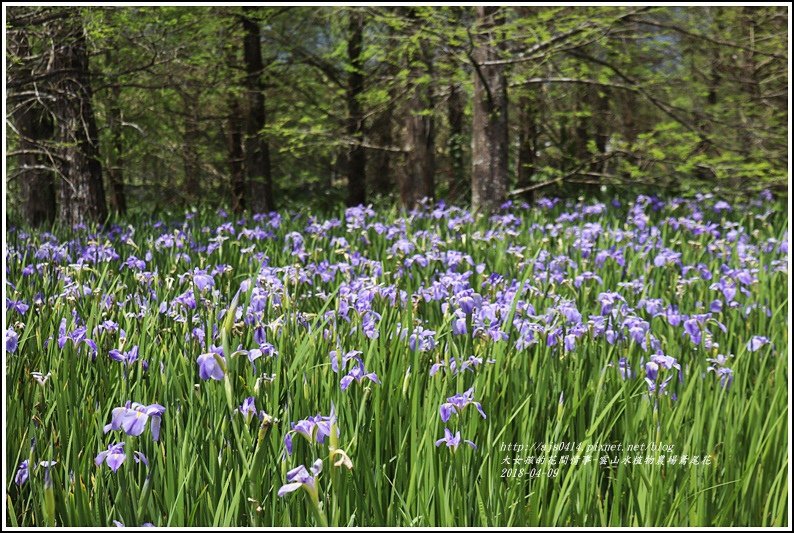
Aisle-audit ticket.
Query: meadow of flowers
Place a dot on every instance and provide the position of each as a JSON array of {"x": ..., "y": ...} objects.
[{"x": 377, "y": 368}]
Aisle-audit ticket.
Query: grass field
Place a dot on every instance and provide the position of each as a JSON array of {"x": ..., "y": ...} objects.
[{"x": 648, "y": 335}]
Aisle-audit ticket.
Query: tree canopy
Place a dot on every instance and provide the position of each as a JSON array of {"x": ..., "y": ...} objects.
[{"x": 159, "y": 108}]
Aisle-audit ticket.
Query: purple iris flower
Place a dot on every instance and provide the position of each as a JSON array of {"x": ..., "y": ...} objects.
[
  {"x": 569, "y": 342},
  {"x": 665, "y": 361},
  {"x": 202, "y": 279},
  {"x": 720, "y": 360},
  {"x": 211, "y": 366},
  {"x": 313, "y": 428},
  {"x": 660, "y": 361},
  {"x": 725, "y": 375},
  {"x": 467, "y": 304},
  {"x": 77, "y": 336},
  {"x": 110, "y": 327},
  {"x": 23, "y": 472},
  {"x": 456, "y": 404},
  {"x": 259, "y": 333},
  {"x": 674, "y": 318},
  {"x": 727, "y": 287},
  {"x": 248, "y": 410},
  {"x": 369, "y": 324},
  {"x": 301, "y": 478},
  {"x": 692, "y": 328},
  {"x": 651, "y": 370},
  {"x": 134, "y": 263},
  {"x": 721, "y": 206},
  {"x": 571, "y": 314},
  {"x": 132, "y": 419},
  {"x": 47, "y": 478},
  {"x": 115, "y": 456},
  {"x": 265, "y": 349},
  {"x": 608, "y": 300},
  {"x": 666, "y": 256},
  {"x": 422, "y": 339},
  {"x": 757, "y": 342},
  {"x": 128, "y": 357},
  {"x": 18, "y": 306},
  {"x": 625, "y": 369},
  {"x": 12, "y": 340},
  {"x": 340, "y": 362},
  {"x": 358, "y": 373},
  {"x": 459, "y": 326},
  {"x": 460, "y": 365},
  {"x": 453, "y": 441},
  {"x": 473, "y": 362},
  {"x": 638, "y": 330}
]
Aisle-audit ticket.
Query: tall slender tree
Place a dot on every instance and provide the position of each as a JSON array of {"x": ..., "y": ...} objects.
[
  {"x": 257, "y": 149},
  {"x": 456, "y": 142},
  {"x": 356, "y": 154},
  {"x": 234, "y": 138},
  {"x": 418, "y": 179},
  {"x": 34, "y": 129},
  {"x": 115, "y": 161},
  {"x": 490, "y": 136},
  {"x": 81, "y": 193}
]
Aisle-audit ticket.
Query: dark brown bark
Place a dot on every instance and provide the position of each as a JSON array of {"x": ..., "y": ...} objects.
[
  {"x": 234, "y": 138},
  {"x": 581, "y": 137},
  {"x": 381, "y": 160},
  {"x": 37, "y": 178},
  {"x": 601, "y": 120},
  {"x": 384, "y": 165},
  {"x": 455, "y": 143},
  {"x": 81, "y": 194},
  {"x": 191, "y": 162},
  {"x": 257, "y": 150},
  {"x": 715, "y": 75},
  {"x": 116, "y": 167},
  {"x": 528, "y": 133},
  {"x": 750, "y": 84},
  {"x": 34, "y": 126},
  {"x": 356, "y": 156},
  {"x": 490, "y": 135},
  {"x": 528, "y": 129},
  {"x": 418, "y": 180}
]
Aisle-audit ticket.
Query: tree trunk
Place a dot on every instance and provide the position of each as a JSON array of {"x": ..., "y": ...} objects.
[
  {"x": 748, "y": 74},
  {"x": 581, "y": 134},
  {"x": 257, "y": 151},
  {"x": 81, "y": 194},
  {"x": 527, "y": 142},
  {"x": 383, "y": 174},
  {"x": 601, "y": 119},
  {"x": 381, "y": 160},
  {"x": 38, "y": 181},
  {"x": 191, "y": 162},
  {"x": 234, "y": 138},
  {"x": 419, "y": 175},
  {"x": 116, "y": 166},
  {"x": 455, "y": 143},
  {"x": 421, "y": 149},
  {"x": 489, "y": 122},
  {"x": 356, "y": 157},
  {"x": 35, "y": 130}
]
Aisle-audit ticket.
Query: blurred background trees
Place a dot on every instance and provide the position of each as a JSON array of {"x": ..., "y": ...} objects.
[{"x": 159, "y": 108}]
